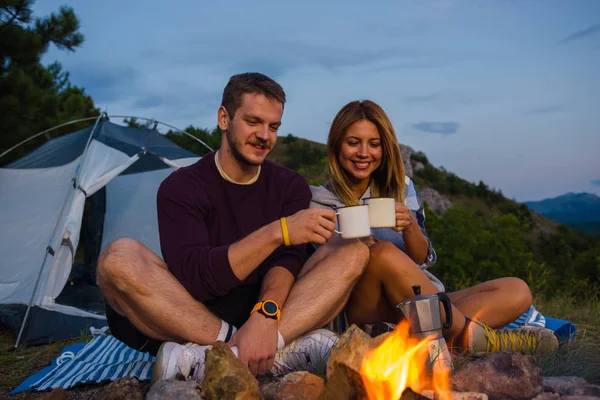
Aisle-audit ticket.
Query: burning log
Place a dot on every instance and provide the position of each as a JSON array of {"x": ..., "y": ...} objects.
[{"x": 403, "y": 362}]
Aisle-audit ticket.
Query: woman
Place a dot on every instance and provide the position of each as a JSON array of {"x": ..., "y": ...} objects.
[{"x": 365, "y": 161}]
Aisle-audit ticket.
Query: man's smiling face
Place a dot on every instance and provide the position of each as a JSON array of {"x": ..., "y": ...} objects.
[{"x": 252, "y": 132}]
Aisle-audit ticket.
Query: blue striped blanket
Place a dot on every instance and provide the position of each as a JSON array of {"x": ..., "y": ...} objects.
[{"x": 103, "y": 359}]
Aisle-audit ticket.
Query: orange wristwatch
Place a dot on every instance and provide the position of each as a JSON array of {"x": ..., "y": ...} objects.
[{"x": 268, "y": 308}]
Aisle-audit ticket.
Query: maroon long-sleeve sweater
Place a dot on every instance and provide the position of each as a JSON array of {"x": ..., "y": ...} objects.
[{"x": 200, "y": 215}]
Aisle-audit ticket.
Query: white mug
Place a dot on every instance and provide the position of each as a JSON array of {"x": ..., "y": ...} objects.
[
  {"x": 353, "y": 221},
  {"x": 382, "y": 211}
]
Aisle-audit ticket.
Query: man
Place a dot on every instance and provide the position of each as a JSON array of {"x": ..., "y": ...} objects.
[{"x": 233, "y": 231}]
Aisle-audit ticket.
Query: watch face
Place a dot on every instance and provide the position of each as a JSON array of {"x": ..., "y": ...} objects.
[{"x": 270, "y": 307}]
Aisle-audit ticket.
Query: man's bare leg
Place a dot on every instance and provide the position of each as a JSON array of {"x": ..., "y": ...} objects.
[
  {"x": 138, "y": 285},
  {"x": 323, "y": 287}
]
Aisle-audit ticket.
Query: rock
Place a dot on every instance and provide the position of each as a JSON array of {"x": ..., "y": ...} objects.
[
  {"x": 419, "y": 166},
  {"x": 346, "y": 358},
  {"x": 547, "y": 396},
  {"x": 338, "y": 386},
  {"x": 570, "y": 386},
  {"x": 437, "y": 202},
  {"x": 500, "y": 376},
  {"x": 410, "y": 395},
  {"x": 469, "y": 396},
  {"x": 429, "y": 394},
  {"x": 295, "y": 386},
  {"x": 174, "y": 390},
  {"x": 586, "y": 390},
  {"x": 562, "y": 384},
  {"x": 406, "y": 152},
  {"x": 123, "y": 389},
  {"x": 56, "y": 394},
  {"x": 579, "y": 398},
  {"x": 227, "y": 377}
]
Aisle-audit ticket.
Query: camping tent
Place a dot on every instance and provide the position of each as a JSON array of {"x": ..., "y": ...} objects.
[{"x": 42, "y": 200}]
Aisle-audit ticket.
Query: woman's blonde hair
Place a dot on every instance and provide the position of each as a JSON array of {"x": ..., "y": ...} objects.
[{"x": 388, "y": 179}]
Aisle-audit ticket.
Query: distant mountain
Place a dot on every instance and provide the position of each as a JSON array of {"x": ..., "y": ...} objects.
[{"x": 579, "y": 210}]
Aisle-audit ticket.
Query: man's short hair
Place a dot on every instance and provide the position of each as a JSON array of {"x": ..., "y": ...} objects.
[{"x": 249, "y": 82}]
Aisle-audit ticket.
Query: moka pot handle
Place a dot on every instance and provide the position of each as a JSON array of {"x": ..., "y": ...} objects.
[{"x": 445, "y": 300}]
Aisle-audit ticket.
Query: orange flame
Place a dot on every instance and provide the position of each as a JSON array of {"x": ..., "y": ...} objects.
[{"x": 400, "y": 362}]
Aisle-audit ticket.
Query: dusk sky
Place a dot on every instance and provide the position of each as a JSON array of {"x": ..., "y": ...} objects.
[{"x": 503, "y": 91}]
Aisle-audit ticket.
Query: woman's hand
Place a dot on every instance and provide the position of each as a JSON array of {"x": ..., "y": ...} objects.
[{"x": 404, "y": 218}]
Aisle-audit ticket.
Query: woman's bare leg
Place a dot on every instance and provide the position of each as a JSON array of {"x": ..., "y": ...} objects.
[
  {"x": 497, "y": 303},
  {"x": 390, "y": 276},
  {"x": 387, "y": 281}
]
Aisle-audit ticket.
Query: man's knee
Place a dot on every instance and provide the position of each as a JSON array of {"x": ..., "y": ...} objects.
[
  {"x": 119, "y": 262},
  {"x": 355, "y": 256}
]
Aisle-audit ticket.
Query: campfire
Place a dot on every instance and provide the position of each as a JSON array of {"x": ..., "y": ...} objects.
[{"x": 402, "y": 362}]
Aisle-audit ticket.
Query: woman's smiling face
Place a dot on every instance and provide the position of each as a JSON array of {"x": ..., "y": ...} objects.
[{"x": 361, "y": 151}]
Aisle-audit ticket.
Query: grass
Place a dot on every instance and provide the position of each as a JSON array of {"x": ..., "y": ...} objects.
[
  {"x": 578, "y": 357},
  {"x": 16, "y": 365}
]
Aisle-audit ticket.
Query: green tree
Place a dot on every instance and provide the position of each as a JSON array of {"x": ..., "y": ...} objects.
[
  {"x": 133, "y": 122},
  {"x": 34, "y": 97},
  {"x": 211, "y": 138}
]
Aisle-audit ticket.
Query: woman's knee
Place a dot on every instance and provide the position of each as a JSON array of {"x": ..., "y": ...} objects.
[
  {"x": 519, "y": 291},
  {"x": 386, "y": 255}
]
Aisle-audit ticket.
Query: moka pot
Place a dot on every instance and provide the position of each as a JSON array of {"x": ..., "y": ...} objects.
[{"x": 425, "y": 317}]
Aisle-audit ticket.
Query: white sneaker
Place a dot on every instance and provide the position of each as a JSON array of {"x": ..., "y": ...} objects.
[
  {"x": 307, "y": 353},
  {"x": 176, "y": 361}
]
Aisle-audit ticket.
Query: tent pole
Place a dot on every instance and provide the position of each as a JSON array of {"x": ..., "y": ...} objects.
[
  {"x": 37, "y": 282},
  {"x": 170, "y": 126},
  {"x": 50, "y": 249},
  {"x": 46, "y": 131}
]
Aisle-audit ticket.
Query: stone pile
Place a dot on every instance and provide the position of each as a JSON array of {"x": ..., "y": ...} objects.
[{"x": 499, "y": 376}]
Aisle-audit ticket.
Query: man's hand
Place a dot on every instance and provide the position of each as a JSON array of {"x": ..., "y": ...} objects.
[
  {"x": 404, "y": 218},
  {"x": 256, "y": 341},
  {"x": 311, "y": 225}
]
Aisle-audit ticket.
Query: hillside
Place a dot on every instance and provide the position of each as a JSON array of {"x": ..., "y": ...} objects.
[
  {"x": 438, "y": 187},
  {"x": 580, "y": 211}
]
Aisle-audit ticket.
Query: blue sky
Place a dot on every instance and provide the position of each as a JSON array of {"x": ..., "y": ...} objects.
[{"x": 503, "y": 91}]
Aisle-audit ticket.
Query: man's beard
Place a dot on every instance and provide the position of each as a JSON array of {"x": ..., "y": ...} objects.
[{"x": 236, "y": 146}]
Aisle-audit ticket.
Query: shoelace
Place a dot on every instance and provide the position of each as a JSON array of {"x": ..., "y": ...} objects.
[{"x": 516, "y": 341}]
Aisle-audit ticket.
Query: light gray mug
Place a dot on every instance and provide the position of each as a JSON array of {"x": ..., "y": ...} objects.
[
  {"x": 353, "y": 221},
  {"x": 382, "y": 211}
]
